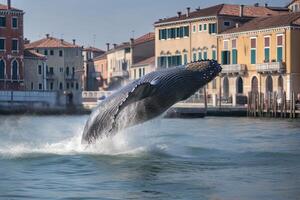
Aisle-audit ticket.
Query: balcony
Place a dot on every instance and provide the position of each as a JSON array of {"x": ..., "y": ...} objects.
[
  {"x": 70, "y": 77},
  {"x": 273, "y": 67},
  {"x": 233, "y": 69},
  {"x": 122, "y": 73},
  {"x": 50, "y": 76}
]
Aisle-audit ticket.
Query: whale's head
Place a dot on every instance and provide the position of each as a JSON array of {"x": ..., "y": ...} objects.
[{"x": 204, "y": 71}]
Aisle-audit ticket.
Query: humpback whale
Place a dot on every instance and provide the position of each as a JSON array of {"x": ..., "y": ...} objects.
[{"x": 147, "y": 98}]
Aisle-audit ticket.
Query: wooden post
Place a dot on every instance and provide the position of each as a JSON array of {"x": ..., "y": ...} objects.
[
  {"x": 284, "y": 107},
  {"x": 205, "y": 99}
]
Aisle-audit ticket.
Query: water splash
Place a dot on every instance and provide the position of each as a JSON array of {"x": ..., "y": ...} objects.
[{"x": 132, "y": 141}]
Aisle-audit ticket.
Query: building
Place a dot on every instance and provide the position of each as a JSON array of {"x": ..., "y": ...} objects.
[
  {"x": 11, "y": 48},
  {"x": 261, "y": 56},
  {"x": 192, "y": 36},
  {"x": 64, "y": 67},
  {"x": 100, "y": 63},
  {"x": 123, "y": 56},
  {"x": 294, "y": 5},
  {"x": 90, "y": 75},
  {"x": 35, "y": 77},
  {"x": 143, "y": 67}
]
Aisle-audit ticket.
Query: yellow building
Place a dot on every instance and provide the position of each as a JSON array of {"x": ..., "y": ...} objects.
[
  {"x": 193, "y": 36},
  {"x": 261, "y": 55}
]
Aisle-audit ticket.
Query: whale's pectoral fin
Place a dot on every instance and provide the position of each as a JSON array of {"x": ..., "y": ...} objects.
[{"x": 138, "y": 93}]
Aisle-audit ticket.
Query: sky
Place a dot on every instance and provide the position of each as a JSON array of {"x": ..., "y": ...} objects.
[{"x": 96, "y": 22}]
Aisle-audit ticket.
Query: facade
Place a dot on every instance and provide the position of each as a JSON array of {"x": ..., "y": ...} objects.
[
  {"x": 64, "y": 67},
  {"x": 294, "y": 6},
  {"x": 35, "y": 70},
  {"x": 90, "y": 82},
  {"x": 122, "y": 57},
  {"x": 142, "y": 68},
  {"x": 11, "y": 48},
  {"x": 101, "y": 69},
  {"x": 261, "y": 56},
  {"x": 192, "y": 36}
]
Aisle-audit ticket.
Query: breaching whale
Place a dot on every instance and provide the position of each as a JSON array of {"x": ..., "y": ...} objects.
[{"x": 147, "y": 98}]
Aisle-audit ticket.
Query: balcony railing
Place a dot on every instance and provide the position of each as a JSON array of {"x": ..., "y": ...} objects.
[
  {"x": 270, "y": 67},
  {"x": 70, "y": 77},
  {"x": 233, "y": 69},
  {"x": 122, "y": 73}
]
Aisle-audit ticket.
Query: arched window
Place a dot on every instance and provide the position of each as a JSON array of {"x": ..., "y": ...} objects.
[
  {"x": 15, "y": 70},
  {"x": 225, "y": 87},
  {"x": 254, "y": 84},
  {"x": 2, "y": 69},
  {"x": 239, "y": 86},
  {"x": 280, "y": 83},
  {"x": 269, "y": 84}
]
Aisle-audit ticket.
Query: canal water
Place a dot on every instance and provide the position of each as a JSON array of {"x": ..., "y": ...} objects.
[{"x": 211, "y": 158}]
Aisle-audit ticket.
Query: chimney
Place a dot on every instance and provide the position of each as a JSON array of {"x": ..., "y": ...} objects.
[
  {"x": 188, "y": 10},
  {"x": 61, "y": 40},
  {"x": 241, "y": 10},
  {"x": 8, "y": 4},
  {"x": 74, "y": 42},
  {"x": 266, "y": 5},
  {"x": 107, "y": 46},
  {"x": 47, "y": 35},
  {"x": 26, "y": 41},
  {"x": 131, "y": 41},
  {"x": 115, "y": 46},
  {"x": 179, "y": 14},
  {"x": 198, "y": 9},
  {"x": 256, "y": 4}
]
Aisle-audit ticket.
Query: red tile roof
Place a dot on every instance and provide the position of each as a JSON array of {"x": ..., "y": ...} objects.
[
  {"x": 291, "y": 19},
  {"x": 93, "y": 49},
  {"x": 33, "y": 54},
  {"x": 145, "y": 38},
  {"x": 4, "y": 7},
  {"x": 50, "y": 42},
  {"x": 148, "y": 61},
  {"x": 226, "y": 10}
]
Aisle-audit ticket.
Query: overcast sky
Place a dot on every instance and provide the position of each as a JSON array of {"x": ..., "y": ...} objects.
[{"x": 95, "y": 22}]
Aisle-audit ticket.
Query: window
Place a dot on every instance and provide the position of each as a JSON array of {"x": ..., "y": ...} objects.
[
  {"x": 253, "y": 50},
  {"x": 15, "y": 44},
  {"x": 60, "y": 53},
  {"x": 68, "y": 85},
  {"x": 40, "y": 86},
  {"x": 214, "y": 54},
  {"x": 205, "y": 55},
  {"x": 279, "y": 48},
  {"x": 240, "y": 86},
  {"x": 77, "y": 86},
  {"x": 186, "y": 31},
  {"x": 2, "y": 69},
  {"x": 267, "y": 49},
  {"x": 134, "y": 73},
  {"x": 185, "y": 59},
  {"x": 200, "y": 55},
  {"x": 51, "y": 86},
  {"x": 14, "y": 22},
  {"x": 194, "y": 28},
  {"x": 2, "y": 21},
  {"x": 226, "y": 23},
  {"x": 200, "y": 27},
  {"x": 67, "y": 71},
  {"x": 60, "y": 86},
  {"x": 2, "y": 44},
  {"x": 15, "y": 70},
  {"x": 225, "y": 44},
  {"x": 45, "y": 52},
  {"x": 31, "y": 86},
  {"x": 205, "y": 27},
  {"x": 40, "y": 69},
  {"x": 194, "y": 56},
  {"x": 51, "y": 52},
  {"x": 225, "y": 57},
  {"x": 212, "y": 28},
  {"x": 72, "y": 85},
  {"x": 140, "y": 72},
  {"x": 234, "y": 51}
]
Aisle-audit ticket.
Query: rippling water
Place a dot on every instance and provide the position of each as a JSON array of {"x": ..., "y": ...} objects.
[{"x": 212, "y": 158}]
